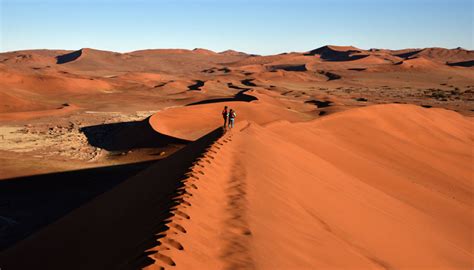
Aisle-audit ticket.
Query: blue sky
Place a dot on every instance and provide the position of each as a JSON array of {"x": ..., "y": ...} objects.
[{"x": 262, "y": 27}]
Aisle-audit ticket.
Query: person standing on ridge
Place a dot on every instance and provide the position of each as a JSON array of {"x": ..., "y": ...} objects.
[
  {"x": 225, "y": 115},
  {"x": 232, "y": 116}
]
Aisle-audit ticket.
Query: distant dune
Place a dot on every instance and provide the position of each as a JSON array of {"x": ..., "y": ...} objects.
[
  {"x": 419, "y": 62},
  {"x": 338, "y": 53},
  {"x": 66, "y": 58}
]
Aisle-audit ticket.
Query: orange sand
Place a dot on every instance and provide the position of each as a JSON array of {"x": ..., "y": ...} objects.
[{"x": 313, "y": 176}]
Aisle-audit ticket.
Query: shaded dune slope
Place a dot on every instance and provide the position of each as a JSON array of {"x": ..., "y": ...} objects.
[
  {"x": 123, "y": 136},
  {"x": 30, "y": 203},
  {"x": 462, "y": 64},
  {"x": 69, "y": 57},
  {"x": 240, "y": 96},
  {"x": 338, "y": 53},
  {"x": 134, "y": 211}
]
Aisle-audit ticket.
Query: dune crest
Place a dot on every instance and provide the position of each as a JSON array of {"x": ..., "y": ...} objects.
[
  {"x": 346, "y": 195},
  {"x": 363, "y": 185}
]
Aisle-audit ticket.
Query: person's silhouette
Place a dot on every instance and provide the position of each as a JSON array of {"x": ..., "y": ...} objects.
[
  {"x": 232, "y": 116},
  {"x": 225, "y": 115}
]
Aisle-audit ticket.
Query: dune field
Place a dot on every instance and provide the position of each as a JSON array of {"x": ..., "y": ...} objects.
[{"x": 341, "y": 158}]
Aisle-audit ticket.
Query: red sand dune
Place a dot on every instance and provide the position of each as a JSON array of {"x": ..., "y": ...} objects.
[
  {"x": 284, "y": 76},
  {"x": 203, "y": 51},
  {"x": 75, "y": 76},
  {"x": 356, "y": 185},
  {"x": 338, "y": 53},
  {"x": 56, "y": 82},
  {"x": 338, "y": 48},
  {"x": 380, "y": 187},
  {"x": 443, "y": 55},
  {"x": 232, "y": 52},
  {"x": 11, "y": 103},
  {"x": 181, "y": 122},
  {"x": 419, "y": 62},
  {"x": 27, "y": 58},
  {"x": 37, "y": 113},
  {"x": 376, "y": 187},
  {"x": 28, "y": 92},
  {"x": 373, "y": 60}
]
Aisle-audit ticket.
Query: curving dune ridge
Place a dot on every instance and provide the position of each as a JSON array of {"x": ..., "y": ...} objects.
[
  {"x": 379, "y": 187},
  {"x": 384, "y": 187}
]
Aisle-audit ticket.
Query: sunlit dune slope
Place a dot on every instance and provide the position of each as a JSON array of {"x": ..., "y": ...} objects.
[
  {"x": 192, "y": 122},
  {"x": 385, "y": 186},
  {"x": 379, "y": 187}
]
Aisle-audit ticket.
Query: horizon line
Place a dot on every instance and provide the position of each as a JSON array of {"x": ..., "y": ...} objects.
[{"x": 200, "y": 48}]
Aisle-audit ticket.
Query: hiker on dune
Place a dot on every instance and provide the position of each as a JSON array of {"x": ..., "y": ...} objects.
[
  {"x": 225, "y": 115},
  {"x": 232, "y": 116}
]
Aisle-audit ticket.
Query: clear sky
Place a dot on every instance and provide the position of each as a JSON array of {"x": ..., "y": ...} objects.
[{"x": 258, "y": 26}]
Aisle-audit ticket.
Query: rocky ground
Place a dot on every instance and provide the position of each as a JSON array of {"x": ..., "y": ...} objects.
[{"x": 60, "y": 143}]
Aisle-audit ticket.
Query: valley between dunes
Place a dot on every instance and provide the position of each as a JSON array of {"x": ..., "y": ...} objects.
[{"x": 341, "y": 158}]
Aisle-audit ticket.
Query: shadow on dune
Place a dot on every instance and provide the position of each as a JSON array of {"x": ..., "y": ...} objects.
[
  {"x": 408, "y": 54},
  {"x": 32, "y": 202},
  {"x": 462, "y": 64},
  {"x": 240, "y": 96},
  {"x": 115, "y": 229},
  {"x": 329, "y": 54},
  {"x": 69, "y": 57},
  {"x": 231, "y": 85},
  {"x": 197, "y": 86},
  {"x": 330, "y": 75},
  {"x": 288, "y": 67},
  {"x": 127, "y": 135},
  {"x": 319, "y": 104},
  {"x": 248, "y": 82}
]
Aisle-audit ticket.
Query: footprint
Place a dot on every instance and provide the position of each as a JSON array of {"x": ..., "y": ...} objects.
[
  {"x": 241, "y": 230},
  {"x": 189, "y": 180},
  {"x": 162, "y": 247},
  {"x": 194, "y": 177},
  {"x": 182, "y": 201},
  {"x": 179, "y": 213},
  {"x": 183, "y": 192},
  {"x": 186, "y": 203},
  {"x": 174, "y": 244},
  {"x": 198, "y": 163},
  {"x": 190, "y": 174},
  {"x": 165, "y": 259},
  {"x": 178, "y": 227}
]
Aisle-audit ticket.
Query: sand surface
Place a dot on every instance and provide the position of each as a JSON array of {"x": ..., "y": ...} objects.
[
  {"x": 341, "y": 158},
  {"x": 384, "y": 187}
]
